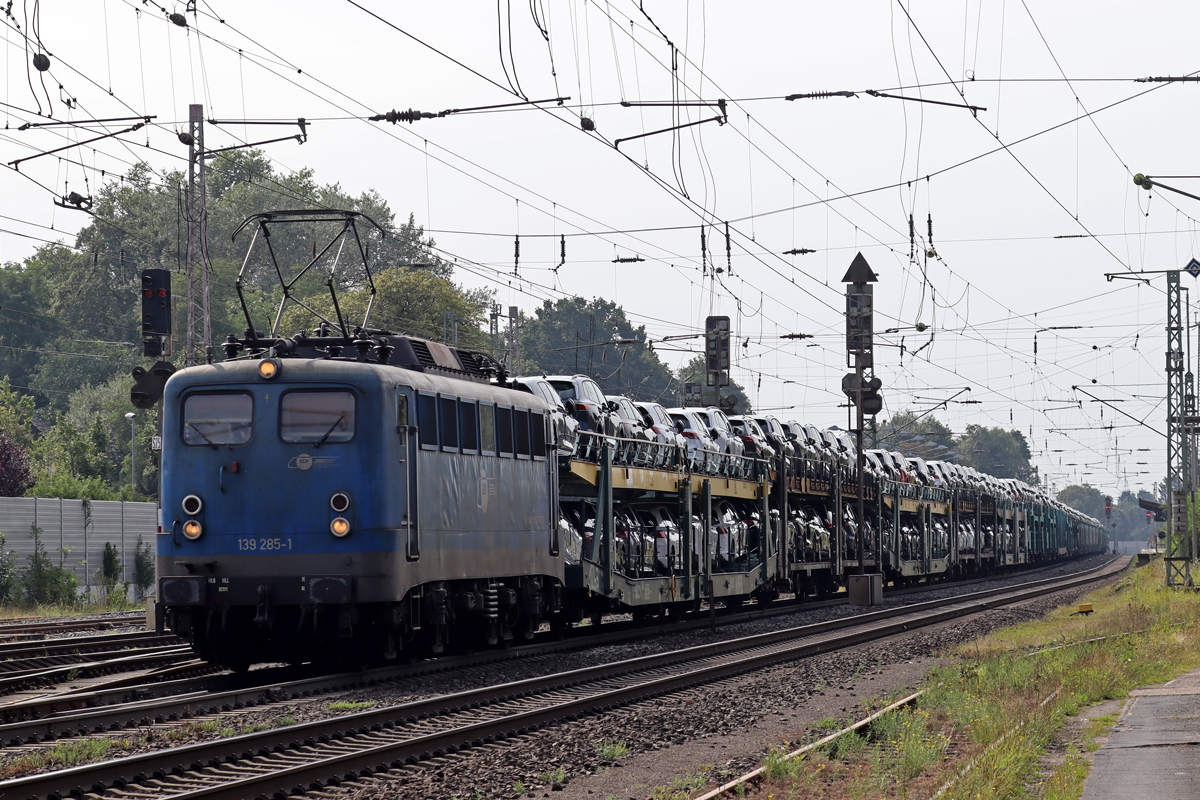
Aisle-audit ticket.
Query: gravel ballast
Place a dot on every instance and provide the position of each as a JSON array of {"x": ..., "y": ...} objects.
[{"x": 711, "y": 732}]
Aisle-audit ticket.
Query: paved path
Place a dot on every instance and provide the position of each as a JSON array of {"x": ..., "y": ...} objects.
[{"x": 1154, "y": 749}]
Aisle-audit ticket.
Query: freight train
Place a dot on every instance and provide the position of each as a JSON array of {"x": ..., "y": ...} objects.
[{"x": 362, "y": 495}]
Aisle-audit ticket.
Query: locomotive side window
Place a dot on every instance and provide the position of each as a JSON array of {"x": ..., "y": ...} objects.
[
  {"x": 316, "y": 416},
  {"x": 210, "y": 418},
  {"x": 467, "y": 426},
  {"x": 521, "y": 429},
  {"x": 487, "y": 428},
  {"x": 448, "y": 419},
  {"x": 537, "y": 428},
  {"x": 427, "y": 419},
  {"x": 504, "y": 430}
]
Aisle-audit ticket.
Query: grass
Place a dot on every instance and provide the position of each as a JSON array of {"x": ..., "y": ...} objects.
[
  {"x": 1066, "y": 782},
  {"x": 556, "y": 775},
  {"x": 194, "y": 729},
  {"x": 611, "y": 750},
  {"x": 985, "y": 708},
  {"x": 1096, "y": 728},
  {"x": 352, "y": 705},
  {"x": 19, "y": 612},
  {"x": 60, "y": 756},
  {"x": 680, "y": 788}
]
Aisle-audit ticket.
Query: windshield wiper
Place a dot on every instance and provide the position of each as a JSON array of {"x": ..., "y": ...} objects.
[
  {"x": 194, "y": 427},
  {"x": 337, "y": 422}
]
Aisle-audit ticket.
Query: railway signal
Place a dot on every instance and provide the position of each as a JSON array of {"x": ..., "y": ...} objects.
[
  {"x": 716, "y": 351},
  {"x": 149, "y": 384},
  {"x": 855, "y": 387},
  {"x": 156, "y": 311}
]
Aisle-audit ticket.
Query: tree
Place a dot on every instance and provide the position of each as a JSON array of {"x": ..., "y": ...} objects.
[
  {"x": 95, "y": 331},
  {"x": 1002, "y": 453},
  {"x": 9, "y": 584},
  {"x": 551, "y": 339},
  {"x": 15, "y": 476},
  {"x": 1084, "y": 498},
  {"x": 110, "y": 569},
  {"x": 143, "y": 566},
  {"x": 412, "y": 301},
  {"x": 908, "y": 424},
  {"x": 44, "y": 583},
  {"x": 16, "y": 411},
  {"x": 22, "y": 330}
]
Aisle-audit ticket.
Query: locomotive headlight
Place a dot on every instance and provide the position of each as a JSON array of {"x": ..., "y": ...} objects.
[
  {"x": 192, "y": 529},
  {"x": 192, "y": 505},
  {"x": 339, "y": 527},
  {"x": 268, "y": 368}
]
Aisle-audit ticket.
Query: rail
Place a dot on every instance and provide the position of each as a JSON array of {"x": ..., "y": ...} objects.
[{"x": 322, "y": 752}]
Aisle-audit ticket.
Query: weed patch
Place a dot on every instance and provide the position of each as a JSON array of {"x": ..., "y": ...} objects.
[
  {"x": 988, "y": 709},
  {"x": 680, "y": 788},
  {"x": 60, "y": 756},
  {"x": 555, "y": 775},
  {"x": 352, "y": 705},
  {"x": 611, "y": 750}
]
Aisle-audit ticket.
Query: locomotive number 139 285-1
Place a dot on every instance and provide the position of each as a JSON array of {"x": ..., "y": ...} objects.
[{"x": 264, "y": 544}]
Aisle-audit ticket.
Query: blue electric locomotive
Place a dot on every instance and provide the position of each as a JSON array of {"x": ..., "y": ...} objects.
[{"x": 311, "y": 502}]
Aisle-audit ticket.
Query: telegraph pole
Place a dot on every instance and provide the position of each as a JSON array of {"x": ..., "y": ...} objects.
[{"x": 199, "y": 331}]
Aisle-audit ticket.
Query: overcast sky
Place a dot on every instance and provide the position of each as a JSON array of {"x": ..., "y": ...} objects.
[{"x": 1030, "y": 193}]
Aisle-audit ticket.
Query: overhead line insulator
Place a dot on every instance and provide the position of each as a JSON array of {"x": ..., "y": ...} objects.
[{"x": 410, "y": 116}]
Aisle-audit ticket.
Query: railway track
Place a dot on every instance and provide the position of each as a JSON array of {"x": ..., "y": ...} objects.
[
  {"x": 52, "y": 650},
  {"x": 11, "y": 630},
  {"x": 177, "y": 692},
  {"x": 93, "y": 665},
  {"x": 313, "y": 755}
]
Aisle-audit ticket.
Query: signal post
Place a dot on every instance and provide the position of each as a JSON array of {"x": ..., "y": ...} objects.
[{"x": 862, "y": 388}]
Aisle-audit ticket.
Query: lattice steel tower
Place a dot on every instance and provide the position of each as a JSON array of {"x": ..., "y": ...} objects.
[
  {"x": 199, "y": 320},
  {"x": 1179, "y": 546}
]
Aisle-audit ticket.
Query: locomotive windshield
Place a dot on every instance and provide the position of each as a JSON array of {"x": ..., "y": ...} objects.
[
  {"x": 316, "y": 416},
  {"x": 212, "y": 419}
]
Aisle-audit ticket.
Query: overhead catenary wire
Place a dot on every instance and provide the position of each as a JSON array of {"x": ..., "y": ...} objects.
[{"x": 527, "y": 233}]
